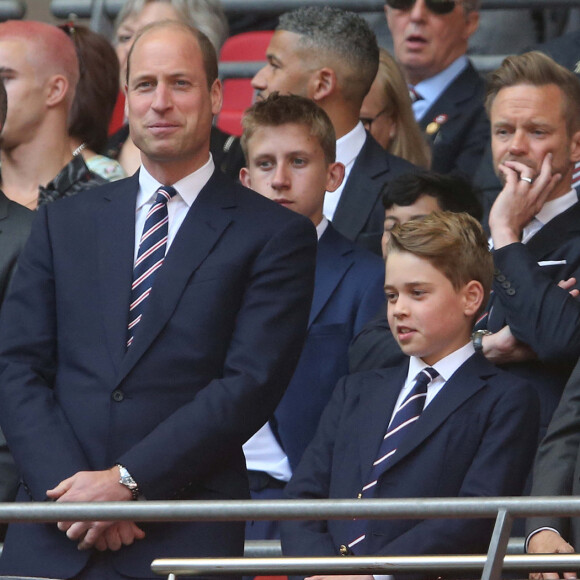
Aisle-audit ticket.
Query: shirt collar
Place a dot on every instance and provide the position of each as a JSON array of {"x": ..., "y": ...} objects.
[
  {"x": 188, "y": 187},
  {"x": 555, "y": 207},
  {"x": 432, "y": 88},
  {"x": 321, "y": 227},
  {"x": 446, "y": 367},
  {"x": 350, "y": 145}
]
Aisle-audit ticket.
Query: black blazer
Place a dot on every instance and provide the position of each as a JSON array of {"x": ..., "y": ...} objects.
[
  {"x": 15, "y": 221},
  {"x": 539, "y": 313},
  {"x": 476, "y": 438},
  {"x": 458, "y": 145},
  {"x": 216, "y": 348}
]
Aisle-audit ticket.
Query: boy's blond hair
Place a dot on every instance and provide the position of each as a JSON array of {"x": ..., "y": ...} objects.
[
  {"x": 278, "y": 110},
  {"x": 454, "y": 243}
]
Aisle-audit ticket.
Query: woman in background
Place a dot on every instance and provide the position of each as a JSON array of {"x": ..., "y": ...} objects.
[
  {"x": 94, "y": 100},
  {"x": 387, "y": 114}
]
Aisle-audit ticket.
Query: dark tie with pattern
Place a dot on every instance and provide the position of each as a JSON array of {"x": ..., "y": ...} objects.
[
  {"x": 152, "y": 248},
  {"x": 402, "y": 422},
  {"x": 415, "y": 96}
]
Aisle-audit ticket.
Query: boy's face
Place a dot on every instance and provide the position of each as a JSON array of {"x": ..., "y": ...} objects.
[
  {"x": 427, "y": 317},
  {"x": 400, "y": 214},
  {"x": 287, "y": 165}
]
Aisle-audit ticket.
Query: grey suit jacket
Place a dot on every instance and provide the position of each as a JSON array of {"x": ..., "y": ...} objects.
[{"x": 557, "y": 466}]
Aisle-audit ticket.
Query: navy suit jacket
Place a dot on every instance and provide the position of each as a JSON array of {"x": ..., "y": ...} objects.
[
  {"x": 476, "y": 438},
  {"x": 215, "y": 350},
  {"x": 539, "y": 313},
  {"x": 459, "y": 143},
  {"x": 360, "y": 215},
  {"x": 348, "y": 290}
]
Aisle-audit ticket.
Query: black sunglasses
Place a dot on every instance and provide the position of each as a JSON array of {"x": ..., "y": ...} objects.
[{"x": 435, "y": 6}]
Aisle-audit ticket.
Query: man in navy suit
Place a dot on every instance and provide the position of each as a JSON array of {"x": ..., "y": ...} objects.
[
  {"x": 430, "y": 42},
  {"x": 445, "y": 423},
  {"x": 533, "y": 325},
  {"x": 331, "y": 56},
  {"x": 290, "y": 147},
  {"x": 94, "y": 415}
]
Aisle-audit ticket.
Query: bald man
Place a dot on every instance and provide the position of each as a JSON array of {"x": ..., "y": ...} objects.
[{"x": 39, "y": 66}]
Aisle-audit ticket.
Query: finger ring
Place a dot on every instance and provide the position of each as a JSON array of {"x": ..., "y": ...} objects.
[{"x": 528, "y": 179}]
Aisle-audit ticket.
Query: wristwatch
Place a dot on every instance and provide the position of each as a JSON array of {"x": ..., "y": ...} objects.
[
  {"x": 477, "y": 338},
  {"x": 128, "y": 481}
]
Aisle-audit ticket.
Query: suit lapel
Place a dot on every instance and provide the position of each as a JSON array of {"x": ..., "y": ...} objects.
[
  {"x": 202, "y": 228},
  {"x": 449, "y": 104},
  {"x": 377, "y": 401},
  {"x": 557, "y": 231},
  {"x": 333, "y": 260},
  {"x": 361, "y": 190},
  {"x": 116, "y": 243},
  {"x": 465, "y": 382}
]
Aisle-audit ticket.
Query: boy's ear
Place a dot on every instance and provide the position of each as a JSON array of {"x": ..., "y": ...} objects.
[
  {"x": 334, "y": 176},
  {"x": 245, "y": 177},
  {"x": 472, "y": 298}
]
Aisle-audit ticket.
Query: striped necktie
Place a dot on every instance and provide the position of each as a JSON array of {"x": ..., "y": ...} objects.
[
  {"x": 415, "y": 96},
  {"x": 407, "y": 414},
  {"x": 152, "y": 248}
]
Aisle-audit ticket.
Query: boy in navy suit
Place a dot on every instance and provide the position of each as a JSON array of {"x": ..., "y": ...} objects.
[
  {"x": 290, "y": 147},
  {"x": 446, "y": 423}
]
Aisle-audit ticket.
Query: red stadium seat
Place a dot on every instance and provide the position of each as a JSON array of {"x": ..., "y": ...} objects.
[{"x": 238, "y": 93}]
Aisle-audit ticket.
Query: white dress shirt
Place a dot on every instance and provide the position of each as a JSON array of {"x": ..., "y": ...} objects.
[
  {"x": 187, "y": 189},
  {"x": 347, "y": 149},
  {"x": 432, "y": 88}
]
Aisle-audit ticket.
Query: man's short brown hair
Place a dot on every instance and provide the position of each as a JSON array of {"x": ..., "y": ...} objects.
[
  {"x": 454, "y": 243},
  {"x": 279, "y": 110},
  {"x": 208, "y": 53},
  {"x": 538, "y": 70}
]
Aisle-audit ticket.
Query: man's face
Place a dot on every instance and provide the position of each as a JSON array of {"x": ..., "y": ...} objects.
[
  {"x": 400, "y": 214},
  {"x": 527, "y": 123},
  {"x": 132, "y": 25},
  {"x": 287, "y": 165},
  {"x": 426, "y": 43},
  {"x": 286, "y": 71},
  {"x": 427, "y": 316},
  {"x": 26, "y": 89},
  {"x": 170, "y": 105}
]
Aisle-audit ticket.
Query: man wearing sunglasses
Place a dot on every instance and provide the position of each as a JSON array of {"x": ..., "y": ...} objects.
[{"x": 430, "y": 40}]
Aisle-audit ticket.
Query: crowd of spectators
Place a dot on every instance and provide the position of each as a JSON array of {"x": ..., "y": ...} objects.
[{"x": 168, "y": 334}]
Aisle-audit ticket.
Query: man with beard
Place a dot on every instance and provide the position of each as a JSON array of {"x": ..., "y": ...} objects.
[{"x": 532, "y": 326}]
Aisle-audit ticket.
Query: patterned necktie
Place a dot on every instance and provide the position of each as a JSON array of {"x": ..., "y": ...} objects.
[
  {"x": 152, "y": 248},
  {"x": 401, "y": 423},
  {"x": 415, "y": 96}
]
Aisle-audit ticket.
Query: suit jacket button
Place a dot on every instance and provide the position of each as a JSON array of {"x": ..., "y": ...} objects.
[
  {"x": 510, "y": 291},
  {"x": 118, "y": 396},
  {"x": 500, "y": 278},
  {"x": 505, "y": 284}
]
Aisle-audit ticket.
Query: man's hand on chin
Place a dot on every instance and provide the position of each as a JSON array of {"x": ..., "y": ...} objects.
[
  {"x": 521, "y": 198},
  {"x": 89, "y": 486}
]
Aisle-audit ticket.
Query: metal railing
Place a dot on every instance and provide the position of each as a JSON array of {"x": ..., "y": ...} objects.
[
  {"x": 86, "y": 8},
  {"x": 12, "y": 10},
  {"x": 504, "y": 510}
]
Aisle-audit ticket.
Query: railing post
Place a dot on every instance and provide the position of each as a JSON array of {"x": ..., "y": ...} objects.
[{"x": 498, "y": 546}]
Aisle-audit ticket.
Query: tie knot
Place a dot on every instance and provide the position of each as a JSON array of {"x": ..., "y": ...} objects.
[
  {"x": 165, "y": 193},
  {"x": 415, "y": 96},
  {"x": 424, "y": 377}
]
